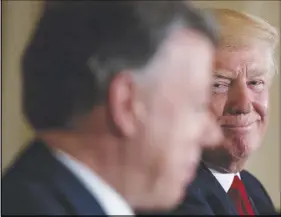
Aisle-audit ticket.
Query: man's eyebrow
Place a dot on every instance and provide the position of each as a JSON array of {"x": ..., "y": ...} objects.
[
  {"x": 224, "y": 74},
  {"x": 256, "y": 73}
]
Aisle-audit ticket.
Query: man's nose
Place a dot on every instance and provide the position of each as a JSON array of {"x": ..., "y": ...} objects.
[
  {"x": 212, "y": 134},
  {"x": 239, "y": 100}
]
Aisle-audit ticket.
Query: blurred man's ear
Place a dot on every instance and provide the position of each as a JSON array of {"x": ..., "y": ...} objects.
[{"x": 121, "y": 96}]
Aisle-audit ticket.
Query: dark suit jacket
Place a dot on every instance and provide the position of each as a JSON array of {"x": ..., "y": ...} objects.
[
  {"x": 205, "y": 196},
  {"x": 39, "y": 184}
]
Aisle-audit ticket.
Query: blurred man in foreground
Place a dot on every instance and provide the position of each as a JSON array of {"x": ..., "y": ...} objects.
[
  {"x": 241, "y": 79},
  {"x": 116, "y": 93}
]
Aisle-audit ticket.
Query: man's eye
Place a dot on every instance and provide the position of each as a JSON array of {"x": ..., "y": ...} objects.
[
  {"x": 220, "y": 87},
  {"x": 257, "y": 85}
]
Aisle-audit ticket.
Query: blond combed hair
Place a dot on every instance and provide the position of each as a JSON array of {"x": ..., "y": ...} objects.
[{"x": 241, "y": 30}]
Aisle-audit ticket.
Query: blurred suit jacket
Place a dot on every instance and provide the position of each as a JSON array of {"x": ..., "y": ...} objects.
[
  {"x": 205, "y": 196},
  {"x": 38, "y": 184}
]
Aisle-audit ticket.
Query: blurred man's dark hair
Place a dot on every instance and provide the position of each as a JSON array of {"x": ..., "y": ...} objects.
[{"x": 78, "y": 47}]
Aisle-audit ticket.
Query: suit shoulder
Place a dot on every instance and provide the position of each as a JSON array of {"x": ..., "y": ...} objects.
[
  {"x": 195, "y": 201},
  {"x": 202, "y": 176},
  {"x": 25, "y": 190},
  {"x": 248, "y": 175},
  {"x": 28, "y": 196},
  {"x": 251, "y": 178}
]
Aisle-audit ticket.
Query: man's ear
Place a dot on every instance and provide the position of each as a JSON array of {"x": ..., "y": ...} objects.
[{"x": 121, "y": 98}]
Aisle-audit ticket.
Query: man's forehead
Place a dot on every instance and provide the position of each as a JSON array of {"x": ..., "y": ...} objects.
[{"x": 249, "y": 62}]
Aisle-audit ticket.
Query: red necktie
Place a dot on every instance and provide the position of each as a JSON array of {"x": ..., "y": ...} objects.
[{"x": 238, "y": 194}]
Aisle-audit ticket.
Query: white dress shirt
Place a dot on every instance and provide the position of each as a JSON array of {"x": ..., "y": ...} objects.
[
  {"x": 111, "y": 202},
  {"x": 225, "y": 179}
]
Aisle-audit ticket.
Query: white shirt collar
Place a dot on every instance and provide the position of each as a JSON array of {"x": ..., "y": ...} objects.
[
  {"x": 225, "y": 179},
  {"x": 108, "y": 198}
]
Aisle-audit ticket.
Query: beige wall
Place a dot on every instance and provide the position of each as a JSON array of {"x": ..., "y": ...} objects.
[{"x": 18, "y": 20}]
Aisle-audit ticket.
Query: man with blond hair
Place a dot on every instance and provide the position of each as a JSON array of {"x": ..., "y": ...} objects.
[{"x": 242, "y": 75}]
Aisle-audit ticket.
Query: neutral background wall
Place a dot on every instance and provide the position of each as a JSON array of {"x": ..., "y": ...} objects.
[{"x": 19, "y": 18}]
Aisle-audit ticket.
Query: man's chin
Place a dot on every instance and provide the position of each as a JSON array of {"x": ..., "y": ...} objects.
[
  {"x": 237, "y": 166},
  {"x": 243, "y": 150},
  {"x": 164, "y": 204},
  {"x": 239, "y": 154},
  {"x": 172, "y": 204},
  {"x": 231, "y": 156},
  {"x": 226, "y": 162}
]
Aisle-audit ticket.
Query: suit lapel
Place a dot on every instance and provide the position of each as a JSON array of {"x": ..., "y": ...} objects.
[
  {"x": 216, "y": 196},
  {"x": 250, "y": 193},
  {"x": 67, "y": 188}
]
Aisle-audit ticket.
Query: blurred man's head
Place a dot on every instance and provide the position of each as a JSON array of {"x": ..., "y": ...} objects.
[
  {"x": 242, "y": 74},
  {"x": 123, "y": 87}
]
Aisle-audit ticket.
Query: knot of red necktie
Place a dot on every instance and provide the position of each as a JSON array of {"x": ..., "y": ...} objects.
[{"x": 238, "y": 194}]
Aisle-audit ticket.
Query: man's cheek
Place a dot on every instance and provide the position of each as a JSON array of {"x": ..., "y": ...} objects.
[
  {"x": 261, "y": 102},
  {"x": 261, "y": 107},
  {"x": 216, "y": 106}
]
